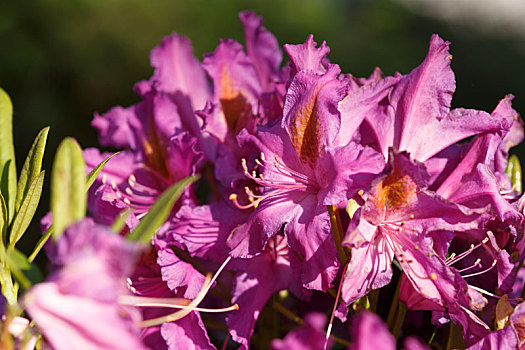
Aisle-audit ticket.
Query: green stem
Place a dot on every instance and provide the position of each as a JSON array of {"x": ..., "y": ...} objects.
[
  {"x": 399, "y": 319},
  {"x": 432, "y": 336},
  {"x": 289, "y": 314},
  {"x": 210, "y": 176},
  {"x": 337, "y": 230},
  {"x": 394, "y": 307},
  {"x": 373, "y": 298},
  {"x": 454, "y": 338}
]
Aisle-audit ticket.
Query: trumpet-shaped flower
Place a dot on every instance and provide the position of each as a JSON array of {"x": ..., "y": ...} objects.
[
  {"x": 161, "y": 153},
  {"x": 419, "y": 106},
  {"x": 301, "y": 170},
  {"x": 396, "y": 221},
  {"x": 77, "y": 308}
]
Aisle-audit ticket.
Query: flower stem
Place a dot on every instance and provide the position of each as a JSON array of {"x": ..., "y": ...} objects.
[
  {"x": 337, "y": 230},
  {"x": 397, "y": 312},
  {"x": 289, "y": 314}
]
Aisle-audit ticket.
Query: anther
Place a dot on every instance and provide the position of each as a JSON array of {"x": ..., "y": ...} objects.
[
  {"x": 476, "y": 264},
  {"x": 494, "y": 262}
]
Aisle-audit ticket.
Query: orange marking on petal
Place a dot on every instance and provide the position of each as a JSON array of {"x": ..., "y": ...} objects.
[
  {"x": 227, "y": 87},
  {"x": 155, "y": 150},
  {"x": 395, "y": 192},
  {"x": 306, "y": 131},
  {"x": 519, "y": 326},
  {"x": 234, "y": 105}
]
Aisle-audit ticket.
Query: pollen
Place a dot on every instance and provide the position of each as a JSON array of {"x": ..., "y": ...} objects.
[{"x": 433, "y": 276}]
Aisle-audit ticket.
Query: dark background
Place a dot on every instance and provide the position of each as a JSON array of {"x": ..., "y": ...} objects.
[{"x": 61, "y": 61}]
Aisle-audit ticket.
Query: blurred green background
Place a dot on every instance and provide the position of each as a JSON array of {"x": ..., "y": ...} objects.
[{"x": 61, "y": 61}]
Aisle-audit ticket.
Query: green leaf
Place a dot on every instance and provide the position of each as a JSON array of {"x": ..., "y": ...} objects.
[
  {"x": 159, "y": 211},
  {"x": 3, "y": 221},
  {"x": 95, "y": 172},
  {"x": 27, "y": 209},
  {"x": 68, "y": 186},
  {"x": 120, "y": 221},
  {"x": 32, "y": 166},
  {"x": 40, "y": 244},
  {"x": 24, "y": 272},
  {"x": 7, "y": 154},
  {"x": 514, "y": 172}
]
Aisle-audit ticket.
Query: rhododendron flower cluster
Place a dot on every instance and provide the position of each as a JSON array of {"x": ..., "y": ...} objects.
[{"x": 330, "y": 210}]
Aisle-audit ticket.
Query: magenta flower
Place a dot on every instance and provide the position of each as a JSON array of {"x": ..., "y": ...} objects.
[
  {"x": 396, "y": 220},
  {"x": 302, "y": 170},
  {"x": 420, "y": 107},
  {"x": 179, "y": 75},
  {"x": 160, "y": 154},
  {"x": 247, "y": 91},
  {"x": 309, "y": 336},
  {"x": 512, "y": 336},
  {"x": 369, "y": 332},
  {"x": 162, "y": 276},
  {"x": 257, "y": 280},
  {"x": 78, "y": 306}
]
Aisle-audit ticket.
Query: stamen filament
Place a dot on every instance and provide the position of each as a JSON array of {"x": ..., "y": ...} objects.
[
  {"x": 476, "y": 264},
  {"x": 208, "y": 282},
  {"x": 454, "y": 259},
  {"x": 329, "y": 329},
  {"x": 173, "y": 303},
  {"x": 482, "y": 272}
]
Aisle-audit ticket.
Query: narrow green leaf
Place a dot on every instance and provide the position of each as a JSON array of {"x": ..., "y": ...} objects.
[
  {"x": 24, "y": 272},
  {"x": 32, "y": 166},
  {"x": 27, "y": 209},
  {"x": 120, "y": 221},
  {"x": 159, "y": 211},
  {"x": 514, "y": 172},
  {"x": 68, "y": 186},
  {"x": 7, "y": 154},
  {"x": 9, "y": 291},
  {"x": 95, "y": 172},
  {"x": 3, "y": 221},
  {"x": 40, "y": 244}
]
